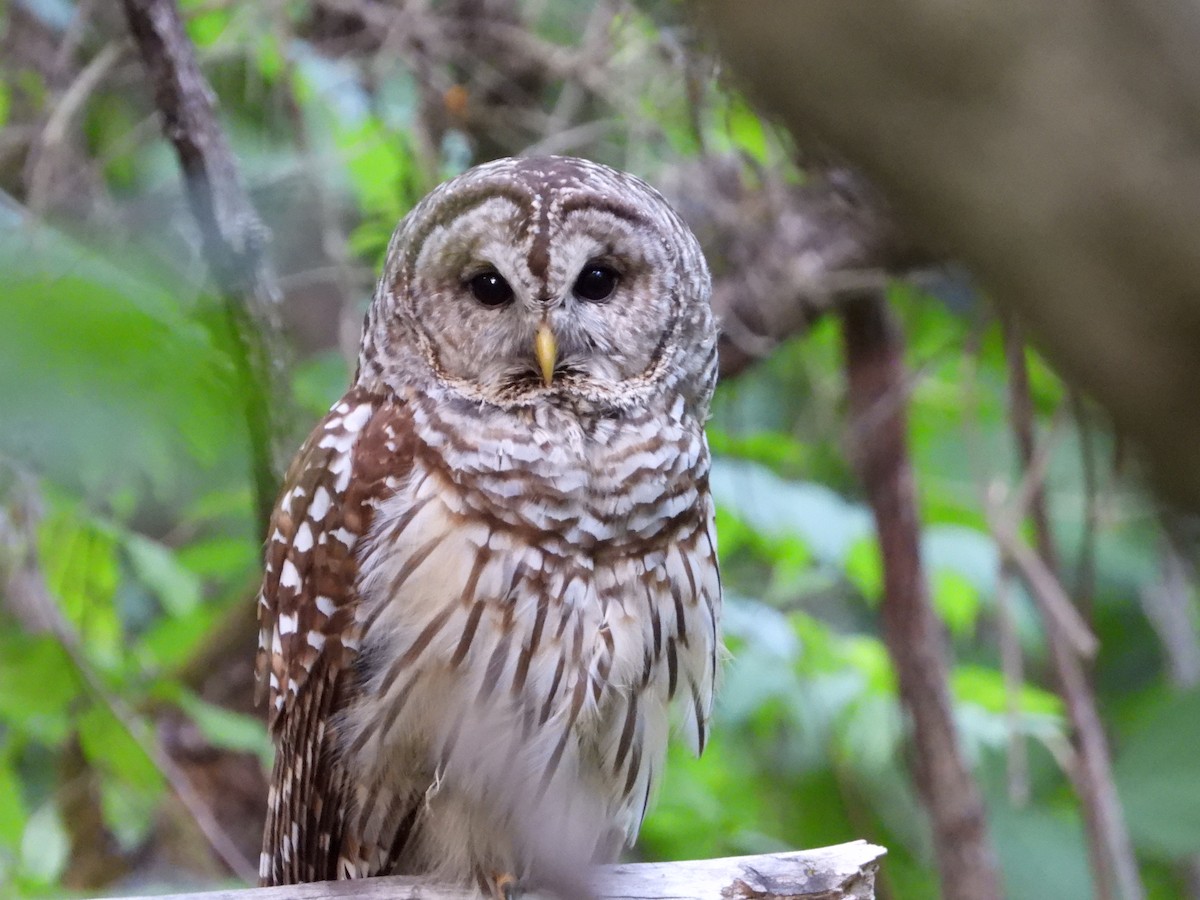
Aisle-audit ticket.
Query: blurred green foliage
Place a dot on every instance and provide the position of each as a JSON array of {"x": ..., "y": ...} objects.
[{"x": 126, "y": 500}]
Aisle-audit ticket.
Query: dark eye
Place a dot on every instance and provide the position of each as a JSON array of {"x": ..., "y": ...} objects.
[
  {"x": 490, "y": 289},
  {"x": 596, "y": 283}
]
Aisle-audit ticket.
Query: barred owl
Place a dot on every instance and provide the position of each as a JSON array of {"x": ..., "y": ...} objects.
[{"x": 492, "y": 568}]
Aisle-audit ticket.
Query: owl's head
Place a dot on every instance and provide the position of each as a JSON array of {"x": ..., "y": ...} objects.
[{"x": 544, "y": 280}]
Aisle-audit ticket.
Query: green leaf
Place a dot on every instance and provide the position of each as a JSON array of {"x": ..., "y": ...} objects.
[
  {"x": 871, "y": 732},
  {"x": 128, "y": 813},
  {"x": 777, "y": 450},
  {"x": 216, "y": 506},
  {"x": 105, "y": 383},
  {"x": 205, "y": 28},
  {"x": 320, "y": 380},
  {"x": 228, "y": 729},
  {"x": 169, "y": 644},
  {"x": 220, "y": 557},
  {"x": 864, "y": 569},
  {"x": 985, "y": 687},
  {"x": 177, "y": 588},
  {"x": 45, "y": 846},
  {"x": 109, "y": 746},
  {"x": 868, "y": 656},
  {"x": 743, "y": 130},
  {"x": 269, "y": 57},
  {"x": 827, "y": 524},
  {"x": 1158, "y": 776},
  {"x": 956, "y": 601},
  {"x": 80, "y": 564},
  {"x": 377, "y": 166},
  {"x": 13, "y": 815},
  {"x": 38, "y": 683}
]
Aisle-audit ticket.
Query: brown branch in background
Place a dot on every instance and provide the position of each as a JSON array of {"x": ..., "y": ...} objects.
[
  {"x": 1113, "y": 863},
  {"x": 1052, "y": 599},
  {"x": 1013, "y": 666},
  {"x": 875, "y": 373},
  {"x": 1085, "y": 563},
  {"x": 1109, "y": 845},
  {"x": 1020, "y": 411},
  {"x": 44, "y": 163},
  {"x": 235, "y": 240}
]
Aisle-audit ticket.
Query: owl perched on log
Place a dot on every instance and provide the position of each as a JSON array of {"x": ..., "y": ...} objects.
[{"x": 492, "y": 569}]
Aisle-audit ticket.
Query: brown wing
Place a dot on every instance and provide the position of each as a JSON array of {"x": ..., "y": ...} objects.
[{"x": 307, "y": 634}]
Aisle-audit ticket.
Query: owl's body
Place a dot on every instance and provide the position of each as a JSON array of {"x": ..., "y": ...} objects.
[{"x": 489, "y": 574}]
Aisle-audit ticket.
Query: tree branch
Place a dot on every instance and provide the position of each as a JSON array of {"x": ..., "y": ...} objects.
[
  {"x": 912, "y": 632},
  {"x": 1113, "y": 862},
  {"x": 1050, "y": 146},
  {"x": 235, "y": 240}
]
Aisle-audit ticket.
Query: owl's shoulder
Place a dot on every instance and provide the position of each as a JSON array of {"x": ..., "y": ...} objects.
[{"x": 356, "y": 456}]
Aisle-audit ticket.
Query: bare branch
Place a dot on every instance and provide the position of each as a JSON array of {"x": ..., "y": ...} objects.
[
  {"x": 911, "y": 630},
  {"x": 1111, "y": 850},
  {"x": 54, "y": 133},
  {"x": 1056, "y": 607},
  {"x": 1021, "y": 415},
  {"x": 235, "y": 240}
]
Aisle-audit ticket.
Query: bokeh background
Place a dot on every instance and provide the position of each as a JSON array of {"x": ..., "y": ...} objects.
[{"x": 132, "y": 758}]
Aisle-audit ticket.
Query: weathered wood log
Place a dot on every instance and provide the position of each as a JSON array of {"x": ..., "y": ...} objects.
[{"x": 842, "y": 872}]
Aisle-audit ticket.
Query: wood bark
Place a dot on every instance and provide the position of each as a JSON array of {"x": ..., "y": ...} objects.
[{"x": 842, "y": 872}]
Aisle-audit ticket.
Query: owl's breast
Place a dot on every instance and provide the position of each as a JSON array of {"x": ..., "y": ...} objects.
[
  {"x": 567, "y": 482},
  {"x": 554, "y": 586}
]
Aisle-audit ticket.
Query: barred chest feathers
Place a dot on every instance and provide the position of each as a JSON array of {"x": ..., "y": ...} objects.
[{"x": 588, "y": 601}]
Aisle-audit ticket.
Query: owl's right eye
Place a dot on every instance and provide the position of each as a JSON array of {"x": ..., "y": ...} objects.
[{"x": 490, "y": 288}]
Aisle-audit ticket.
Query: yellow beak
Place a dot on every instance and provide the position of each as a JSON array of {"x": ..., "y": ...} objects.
[{"x": 545, "y": 348}]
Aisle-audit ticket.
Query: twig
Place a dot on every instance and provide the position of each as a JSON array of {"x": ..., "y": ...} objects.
[
  {"x": 1085, "y": 564},
  {"x": 235, "y": 241},
  {"x": 1020, "y": 411},
  {"x": 1167, "y": 603},
  {"x": 90, "y": 77},
  {"x": 333, "y": 241},
  {"x": 1093, "y": 776},
  {"x": 1114, "y": 864},
  {"x": 1048, "y": 592},
  {"x": 1013, "y": 666},
  {"x": 912, "y": 632}
]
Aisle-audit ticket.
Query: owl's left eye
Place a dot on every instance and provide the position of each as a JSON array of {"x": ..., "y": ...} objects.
[{"x": 596, "y": 282}]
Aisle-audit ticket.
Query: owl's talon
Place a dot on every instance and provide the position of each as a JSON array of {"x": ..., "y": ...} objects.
[{"x": 506, "y": 887}]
